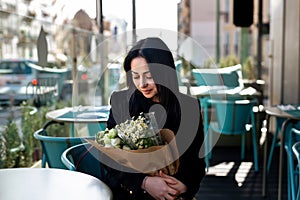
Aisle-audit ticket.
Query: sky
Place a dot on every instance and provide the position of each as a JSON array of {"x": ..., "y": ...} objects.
[{"x": 149, "y": 13}]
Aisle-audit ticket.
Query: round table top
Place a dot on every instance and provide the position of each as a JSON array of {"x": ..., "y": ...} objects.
[
  {"x": 50, "y": 184},
  {"x": 284, "y": 111},
  {"x": 80, "y": 114}
]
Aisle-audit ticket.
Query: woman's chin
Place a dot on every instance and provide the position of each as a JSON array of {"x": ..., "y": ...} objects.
[{"x": 148, "y": 95}]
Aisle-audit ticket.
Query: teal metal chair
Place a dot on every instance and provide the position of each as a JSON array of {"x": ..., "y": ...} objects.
[
  {"x": 53, "y": 147},
  {"x": 296, "y": 151},
  {"x": 233, "y": 117},
  {"x": 293, "y": 137},
  {"x": 84, "y": 158}
]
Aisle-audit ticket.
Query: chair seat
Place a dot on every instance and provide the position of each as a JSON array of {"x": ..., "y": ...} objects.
[{"x": 84, "y": 158}]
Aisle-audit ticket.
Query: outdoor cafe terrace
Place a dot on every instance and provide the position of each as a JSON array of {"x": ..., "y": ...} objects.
[{"x": 228, "y": 176}]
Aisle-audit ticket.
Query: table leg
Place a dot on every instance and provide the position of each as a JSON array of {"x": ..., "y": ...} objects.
[
  {"x": 72, "y": 129},
  {"x": 94, "y": 128},
  {"x": 264, "y": 181}
]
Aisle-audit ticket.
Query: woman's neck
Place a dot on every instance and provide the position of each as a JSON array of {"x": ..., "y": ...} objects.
[{"x": 155, "y": 99}]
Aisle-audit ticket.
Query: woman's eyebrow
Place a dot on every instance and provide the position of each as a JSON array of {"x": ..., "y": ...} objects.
[{"x": 146, "y": 72}]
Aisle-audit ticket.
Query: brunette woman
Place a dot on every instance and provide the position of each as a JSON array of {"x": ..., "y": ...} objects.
[{"x": 153, "y": 86}]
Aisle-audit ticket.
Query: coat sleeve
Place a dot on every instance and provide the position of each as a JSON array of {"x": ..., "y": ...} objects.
[
  {"x": 129, "y": 184},
  {"x": 192, "y": 167}
]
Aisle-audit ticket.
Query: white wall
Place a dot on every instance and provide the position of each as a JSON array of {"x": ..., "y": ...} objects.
[
  {"x": 284, "y": 65},
  {"x": 291, "y": 84}
]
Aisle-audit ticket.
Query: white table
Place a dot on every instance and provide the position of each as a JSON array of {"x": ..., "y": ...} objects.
[
  {"x": 92, "y": 116},
  {"x": 50, "y": 184},
  {"x": 80, "y": 114}
]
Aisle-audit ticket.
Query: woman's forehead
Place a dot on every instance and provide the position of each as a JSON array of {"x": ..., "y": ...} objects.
[{"x": 139, "y": 65}]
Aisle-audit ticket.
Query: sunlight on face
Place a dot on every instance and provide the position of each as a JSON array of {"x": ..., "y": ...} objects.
[{"x": 142, "y": 78}]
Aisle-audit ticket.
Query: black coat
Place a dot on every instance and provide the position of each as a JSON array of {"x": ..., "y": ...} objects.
[{"x": 191, "y": 169}]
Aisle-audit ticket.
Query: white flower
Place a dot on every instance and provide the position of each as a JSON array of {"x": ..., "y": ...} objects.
[
  {"x": 106, "y": 140},
  {"x": 112, "y": 133},
  {"x": 115, "y": 142},
  {"x": 126, "y": 147}
]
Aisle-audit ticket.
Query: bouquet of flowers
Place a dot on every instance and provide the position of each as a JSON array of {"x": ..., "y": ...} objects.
[
  {"x": 137, "y": 133},
  {"x": 139, "y": 140}
]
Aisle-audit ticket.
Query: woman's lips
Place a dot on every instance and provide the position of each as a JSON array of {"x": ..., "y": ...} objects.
[{"x": 146, "y": 91}]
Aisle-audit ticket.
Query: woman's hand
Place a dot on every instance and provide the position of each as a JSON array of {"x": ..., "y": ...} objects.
[
  {"x": 173, "y": 182},
  {"x": 159, "y": 188}
]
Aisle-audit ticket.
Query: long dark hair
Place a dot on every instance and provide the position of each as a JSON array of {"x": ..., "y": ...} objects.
[{"x": 162, "y": 67}]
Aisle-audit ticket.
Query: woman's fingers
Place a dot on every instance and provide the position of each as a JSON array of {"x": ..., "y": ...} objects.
[
  {"x": 169, "y": 179},
  {"x": 170, "y": 196}
]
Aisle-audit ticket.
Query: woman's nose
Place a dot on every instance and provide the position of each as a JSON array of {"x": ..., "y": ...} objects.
[{"x": 143, "y": 82}]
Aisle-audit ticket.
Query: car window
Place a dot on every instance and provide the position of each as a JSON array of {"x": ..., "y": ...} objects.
[{"x": 14, "y": 68}]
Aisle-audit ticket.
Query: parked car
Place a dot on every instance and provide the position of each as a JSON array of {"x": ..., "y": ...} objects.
[{"x": 23, "y": 79}]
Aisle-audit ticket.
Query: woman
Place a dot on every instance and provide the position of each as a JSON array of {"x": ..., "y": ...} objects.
[{"x": 153, "y": 86}]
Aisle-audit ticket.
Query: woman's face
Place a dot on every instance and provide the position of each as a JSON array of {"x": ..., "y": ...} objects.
[{"x": 142, "y": 78}]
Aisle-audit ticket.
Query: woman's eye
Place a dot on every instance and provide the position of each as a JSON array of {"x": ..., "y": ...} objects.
[
  {"x": 135, "y": 77},
  {"x": 148, "y": 77}
]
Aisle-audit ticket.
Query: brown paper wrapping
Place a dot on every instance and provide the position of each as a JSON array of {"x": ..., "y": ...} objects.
[{"x": 150, "y": 160}]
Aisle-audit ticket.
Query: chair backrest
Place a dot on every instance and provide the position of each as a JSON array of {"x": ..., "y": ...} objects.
[
  {"x": 295, "y": 133},
  {"x": 233, "y": 115},
  {"x": 227, "y": 77},
  {"x": 207, "y": 77},
  {"x": 84, "y": 158},
  {"x": 53, "y": 147},
  {"x": 296, "y": 150}
]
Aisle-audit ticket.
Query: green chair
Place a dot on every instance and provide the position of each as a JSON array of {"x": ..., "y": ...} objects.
[
  {"x": 53, "y": 147},
  {"x": 296, "y": 151},
  {"x": 233, "y": 117},
  {"x": 84, "y": 158},
  {"x": 292, "y": 138}
]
